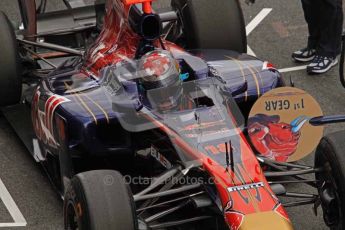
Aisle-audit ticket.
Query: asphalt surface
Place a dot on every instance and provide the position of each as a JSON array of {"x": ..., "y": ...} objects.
[{"x": 280, "y": 33}]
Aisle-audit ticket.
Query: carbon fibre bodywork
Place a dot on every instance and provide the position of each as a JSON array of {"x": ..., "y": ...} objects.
[{"x": 84, "y": 106}]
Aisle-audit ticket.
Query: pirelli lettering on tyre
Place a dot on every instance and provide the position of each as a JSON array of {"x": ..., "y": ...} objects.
[{"x": 246, "y": 187}]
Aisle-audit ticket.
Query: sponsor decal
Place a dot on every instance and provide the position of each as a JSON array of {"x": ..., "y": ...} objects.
[
  {"x": 111, "y": 82},
  {"x": 43, "y": 119},
  {"x": 246, "y": 187},
  {"x": 160, "y": 158}
]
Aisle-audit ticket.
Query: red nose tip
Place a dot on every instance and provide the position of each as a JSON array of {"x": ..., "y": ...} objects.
[{"x": 268, "y": 65}]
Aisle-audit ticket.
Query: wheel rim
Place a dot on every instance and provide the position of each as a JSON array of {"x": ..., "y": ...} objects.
[{"x": 71, "y": 217}]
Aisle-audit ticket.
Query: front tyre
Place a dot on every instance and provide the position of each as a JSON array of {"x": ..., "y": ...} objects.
[
  {"x": 330, "y": 157},
  {"x": 99, "y": 200}
]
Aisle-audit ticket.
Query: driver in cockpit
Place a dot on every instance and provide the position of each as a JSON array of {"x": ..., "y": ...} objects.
[{"x": 160, "y": 83}]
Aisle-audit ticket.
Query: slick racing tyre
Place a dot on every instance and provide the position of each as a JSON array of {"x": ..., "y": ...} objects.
[
  {"x": 330, "y": 157},
  {"x": 210, "y": 24},
  {"x": 10, "y": 71},
  {"x": 99, "y": 200}
]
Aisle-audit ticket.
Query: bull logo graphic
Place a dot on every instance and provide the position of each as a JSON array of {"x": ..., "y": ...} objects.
[{"x": 275, "y": 139}]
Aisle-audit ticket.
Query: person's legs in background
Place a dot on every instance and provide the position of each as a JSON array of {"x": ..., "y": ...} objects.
[
  {"x": 330, "y": 25},
  {"x": 311, "y": 10},
  {"x": 325, "y": 26}
]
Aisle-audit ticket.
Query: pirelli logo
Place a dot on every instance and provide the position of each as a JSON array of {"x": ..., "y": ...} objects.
[{"x": 246, "y": 187}]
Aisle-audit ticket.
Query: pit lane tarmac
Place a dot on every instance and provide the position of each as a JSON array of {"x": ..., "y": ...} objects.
[{"x": 27, "y": 199}]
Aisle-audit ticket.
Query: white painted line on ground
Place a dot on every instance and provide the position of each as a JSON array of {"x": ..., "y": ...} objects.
[
  {"x": 254, "y": 23},
  {"x": 292, "y": 69},
  {"x": 258, "y": 19},
  {"x": 5, "y": 196},
  {"x": 250, "y": 51},
  {"x": 6, "y": 225}
]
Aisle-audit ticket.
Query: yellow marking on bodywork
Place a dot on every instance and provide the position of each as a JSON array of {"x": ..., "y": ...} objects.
[
  {"x": 99, "y": 106},
  {"x": 259, "y": 74},
  {"x": 255, "y": 79},
  {"x": 83, "y": 103},
  {"x": 265, "y": 221},
  {"x": 252, "y": 72},
  {"x": 242, "y": 72}
]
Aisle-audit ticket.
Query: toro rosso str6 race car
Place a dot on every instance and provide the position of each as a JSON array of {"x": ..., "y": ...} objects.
[{"x": 137, "y": 116}]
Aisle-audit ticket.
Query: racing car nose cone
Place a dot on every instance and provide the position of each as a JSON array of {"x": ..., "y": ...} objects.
[{"x": 265, "y": 221}]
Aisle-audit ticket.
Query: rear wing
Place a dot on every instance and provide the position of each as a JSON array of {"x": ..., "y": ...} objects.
[{"x": 76, "y": 18}]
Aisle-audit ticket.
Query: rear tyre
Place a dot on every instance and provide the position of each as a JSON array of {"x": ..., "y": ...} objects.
[
  {"x": 10, "y": 69},
  {"x": 330, "y": 156},
  {"x": 99, "y": 200},
  {"x": 210, "y": 24}
]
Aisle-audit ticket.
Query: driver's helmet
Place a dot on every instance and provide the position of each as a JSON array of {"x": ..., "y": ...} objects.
[{"x": 160, "y": 79}]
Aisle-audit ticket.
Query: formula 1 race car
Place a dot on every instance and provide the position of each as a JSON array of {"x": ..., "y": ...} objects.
[{"x": 137, "y": 116}]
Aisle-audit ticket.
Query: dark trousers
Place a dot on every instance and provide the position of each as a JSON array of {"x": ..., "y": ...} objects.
[{"x": 325, "y": 24}]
